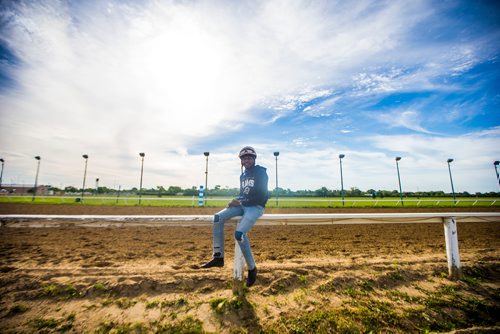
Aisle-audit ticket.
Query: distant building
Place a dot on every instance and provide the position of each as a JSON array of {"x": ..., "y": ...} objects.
[{"x": 23, "y": 189}]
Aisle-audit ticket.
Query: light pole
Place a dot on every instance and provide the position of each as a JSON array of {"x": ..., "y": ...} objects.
[
  {"x": 276, "y": 156},
  {"x": 36, "y": 177},
  {"x": 206, "y": 154},
  {"x": 142, "y": 155},
  {"x": 341, "y": 156},
  {"x": 496, "y": 163},
  {"x": 1, "y": 173},
  {"x": 86, "y": 157},
  {"x": 399, "y": 180},
  {"x": 451, "y": 180}
]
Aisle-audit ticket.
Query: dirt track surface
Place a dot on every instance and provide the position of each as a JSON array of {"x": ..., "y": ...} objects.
[{"x": 105, "y": 279}]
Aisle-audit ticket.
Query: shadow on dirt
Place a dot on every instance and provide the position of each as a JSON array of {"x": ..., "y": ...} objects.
[{"x": 237, "y": 313}]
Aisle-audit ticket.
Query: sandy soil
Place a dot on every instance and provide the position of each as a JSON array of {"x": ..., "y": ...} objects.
[{"x": 144, "y": 279}]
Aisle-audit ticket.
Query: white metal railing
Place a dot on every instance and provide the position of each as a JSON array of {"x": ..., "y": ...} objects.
[{"x": 280, "y": 219}]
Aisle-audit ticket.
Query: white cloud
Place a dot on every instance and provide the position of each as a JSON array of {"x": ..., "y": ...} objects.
[
  {"x": 112, "y": 79},
  {"x": 378, "y": 83},
  {"x": 409, "y": 119}
]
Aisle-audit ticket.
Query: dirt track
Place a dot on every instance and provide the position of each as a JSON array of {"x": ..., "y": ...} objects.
[{"x": 90, "y": 279}]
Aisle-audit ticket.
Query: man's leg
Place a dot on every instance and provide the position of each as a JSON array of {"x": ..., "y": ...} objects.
[
  {"x": 250, "y": 216},
  {"x": 218, "y": 235}
]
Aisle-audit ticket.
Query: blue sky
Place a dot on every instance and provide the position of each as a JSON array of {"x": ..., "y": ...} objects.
[{"x": 369, "y": 79}]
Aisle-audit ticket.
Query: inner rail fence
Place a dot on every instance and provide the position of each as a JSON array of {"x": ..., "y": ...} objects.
[
  {"x": 449, "y": 221},
  {"x": 282, "y": 202}
]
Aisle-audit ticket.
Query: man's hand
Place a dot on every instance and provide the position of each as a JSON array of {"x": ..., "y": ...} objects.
[{"x": 233, "y": 203}]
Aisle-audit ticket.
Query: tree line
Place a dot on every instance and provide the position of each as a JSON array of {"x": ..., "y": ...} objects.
[{"x": 281, "y": 192}]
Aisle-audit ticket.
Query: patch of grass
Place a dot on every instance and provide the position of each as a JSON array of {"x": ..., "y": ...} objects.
[
  {"x": 376, "y": 315},
  {"x": 330, "y": 286},
  {"x": 100, "y": 287},
  {"x": 320, "y": 321},
  {"x": 126, "y": 328},
  {"x": 125, "y": 303},
  {"x": 17, "y": 309},
  {"x": 71, "y": 317},
  {"x": 449, "y": 307},
  {"x": 478, "y": 272},
  {"x": 366, "y": 286},
  {"x": 365, "y": 316},
  {"x": 302, "y": 279},
  {"x": 396, "y": 295},
  {"x": 187, "y": 325},
  {"x": 396, "y": 275},
  {"x": 449, "y": 290},
  {"x": 301, "y": 295},
  {"x": 152, "y": 304},
  {"x": 472, "y": 281},
  {"x": 174, "y": 303},
  {"x": 107, "y": 302},
  {"x": 139, "y": 328},
  {"x": 51, "y": 324},
  {"x": 61, "y": 291},
  {"x": 71, "y": 291},
  {"x": 351, "y": 291},
  {"x": 105, "y": 327},
  {"x": 42, "y": 323},
  {"x": 223, "y": 305},
  {"x": 50, "y": 290},
  {"x": 424, "y": 320},
  {"x": 68, "y": 323},
  {"x": 350, "y": 287}
]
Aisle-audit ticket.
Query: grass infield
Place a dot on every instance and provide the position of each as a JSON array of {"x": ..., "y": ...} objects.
[{"x": 286, "y": 202}]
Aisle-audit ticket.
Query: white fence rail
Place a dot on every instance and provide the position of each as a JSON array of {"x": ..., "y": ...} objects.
[{"x": 448, "y": 219}]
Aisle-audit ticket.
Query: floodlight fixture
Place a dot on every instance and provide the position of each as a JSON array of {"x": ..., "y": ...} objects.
[
  {"x": 205, "y": 191},
  {"x": 399, "y": 181},
  {"x": 276, "y": 154},
  {"x": 496, "y": 163},
  {"x": 142, "y": 155},
  {"x": 451, "y": 180},
  {"x": 1, "y": 173},
  {"x": 36, "y": 177},
  {"x": 86, "y": 157},
  {"x": 341, "y": 156}
]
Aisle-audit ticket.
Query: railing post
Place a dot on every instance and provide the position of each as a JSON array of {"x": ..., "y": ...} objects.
[
  {"x": 238, "y": 270},
  {"x": 451, "y": 239}
]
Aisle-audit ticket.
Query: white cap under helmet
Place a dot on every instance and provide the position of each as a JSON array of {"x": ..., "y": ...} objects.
[{"x": 248, "y": 150}]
